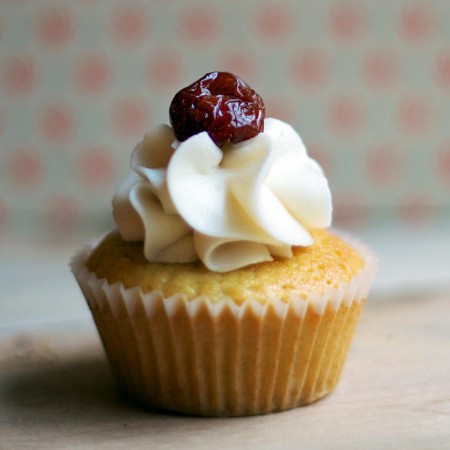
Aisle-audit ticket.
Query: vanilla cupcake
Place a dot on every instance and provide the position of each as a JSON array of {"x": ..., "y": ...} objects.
[{"x": 221, "y": 293}]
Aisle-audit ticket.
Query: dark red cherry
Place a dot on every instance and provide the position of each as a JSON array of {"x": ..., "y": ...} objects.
[{"x": 221, "y": 104}]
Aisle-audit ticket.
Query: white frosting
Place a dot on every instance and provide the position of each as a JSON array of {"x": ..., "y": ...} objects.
[{"x": 228, "y": 207}]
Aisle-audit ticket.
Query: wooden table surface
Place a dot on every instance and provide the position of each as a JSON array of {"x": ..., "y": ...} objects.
[{"x": 56, "y": 392}]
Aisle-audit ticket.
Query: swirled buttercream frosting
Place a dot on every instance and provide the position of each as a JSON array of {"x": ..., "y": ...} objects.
[{"x": 229, "y": 207}]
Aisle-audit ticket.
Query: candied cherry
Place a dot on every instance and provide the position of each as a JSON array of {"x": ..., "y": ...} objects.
[{"x": 221, "y": 104}]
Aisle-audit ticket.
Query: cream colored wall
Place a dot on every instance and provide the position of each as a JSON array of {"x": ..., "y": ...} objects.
[{"x": 367, "y": 85}]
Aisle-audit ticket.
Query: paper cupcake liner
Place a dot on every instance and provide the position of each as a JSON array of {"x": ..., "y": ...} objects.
[{"x": 220, "y": 358}]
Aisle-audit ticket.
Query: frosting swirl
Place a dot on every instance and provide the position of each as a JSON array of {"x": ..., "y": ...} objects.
[{"x": 229, "y": 207}]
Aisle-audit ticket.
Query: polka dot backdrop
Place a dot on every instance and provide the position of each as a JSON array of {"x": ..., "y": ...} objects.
[{"x": 367, "y": 84}]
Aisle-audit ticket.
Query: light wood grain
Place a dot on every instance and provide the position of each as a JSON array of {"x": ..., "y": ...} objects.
[{"x": 56, "y": 392}]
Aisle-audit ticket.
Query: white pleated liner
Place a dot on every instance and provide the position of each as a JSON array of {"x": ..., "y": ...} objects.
[{"x": 197, "y": 356}]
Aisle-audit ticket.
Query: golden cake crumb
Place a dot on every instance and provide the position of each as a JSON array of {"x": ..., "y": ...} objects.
[{"x": 328, "y": 262}]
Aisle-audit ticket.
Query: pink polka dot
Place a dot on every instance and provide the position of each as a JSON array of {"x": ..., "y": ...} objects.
[
  {"x": 416, "y": 209},
  {"x": 62, "y": 213},
  {"x": 239, "y": 62},
  {"x": 130, "y": 117},
  {"x": 384, "y": 165},
  {"x": 24, "y": 168},
  {"x": 350, "y": 211},
  {"x": 130, "y": 25},
  {"x": 92, "y": 74},
  {"x": 3, "y": 215},
  {"x": 56, "y": 123},
  {"x": 415, "y": 115},
  {"x": 279, "y": 108},
  {"x": 346, "y": 115},
  {"x": 311, "y": 69},
  {"x": 164, "y": 70},
  {"x": 55, "y": 28},
  {"x": 417, "y": 22},
  {"x": 20, "y": 75},
  {"x": 346, "y": 21},
  {"x": 274, "y": 21},
  {"x": 95, "y": 167},
  {"x": 443, "y": 69},
  {"x": 200, "y": 23},
  {"x": 442, "y": 165},
  {"x": 381, "y": 68}
]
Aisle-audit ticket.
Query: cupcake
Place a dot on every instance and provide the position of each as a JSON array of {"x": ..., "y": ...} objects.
[{"x": 222, "y": 292}]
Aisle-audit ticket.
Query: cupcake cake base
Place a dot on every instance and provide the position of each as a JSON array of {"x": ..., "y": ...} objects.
[{"x": 221, "y": 356}]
